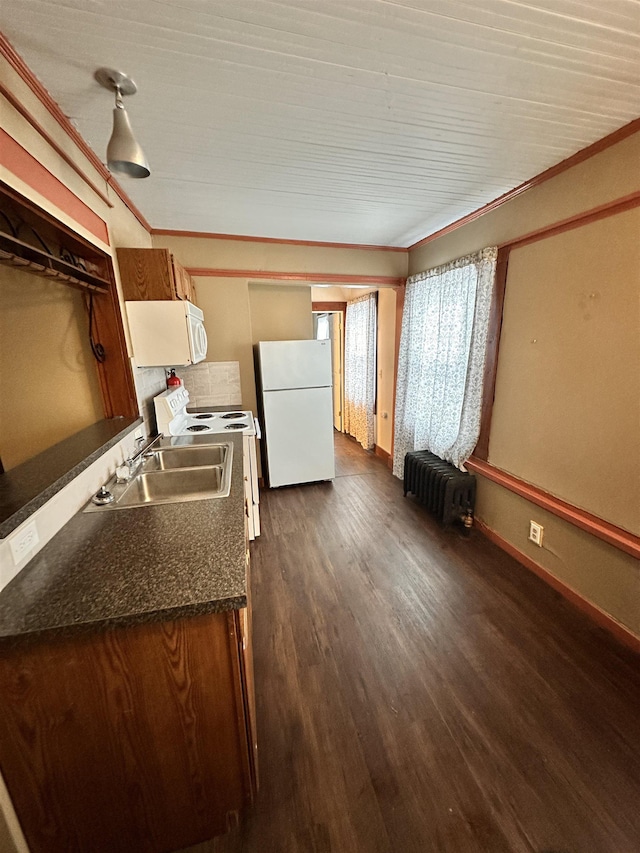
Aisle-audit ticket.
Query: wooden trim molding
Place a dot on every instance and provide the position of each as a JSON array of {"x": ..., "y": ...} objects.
[
  {"x": 382, "y": 454},
  {"x": 575, "y": 159},
  {"x": 22, "y": 69},
  {"x": 598, "y": 527},
  {"x": 24, "y": 112},
  {"x": 320, "y": 277},
  {"x": 212, "y": 235},
  {"x": 602, "y": 211},
  {"x": 329, "y": 307},
  {"x": 599, "y": 616},
  {"x": 24, "y": 166}
]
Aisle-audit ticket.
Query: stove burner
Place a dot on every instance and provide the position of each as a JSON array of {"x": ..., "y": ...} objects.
[
  {"x": 236, "y": 426},
  {"x": 202, "y": 417},
  {"x": 198, "y": 428},
  {"x": 232, "y": 415}
]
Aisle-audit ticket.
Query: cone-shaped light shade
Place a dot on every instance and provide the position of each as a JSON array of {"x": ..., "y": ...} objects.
[{"x": 124, "y": 155}]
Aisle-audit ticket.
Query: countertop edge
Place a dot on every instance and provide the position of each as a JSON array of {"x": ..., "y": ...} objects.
[
  {"x": 19, "y": 516},
  {"x": 76, "y": 629}
]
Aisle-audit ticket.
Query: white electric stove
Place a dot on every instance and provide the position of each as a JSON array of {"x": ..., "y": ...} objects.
[{"x": 172, "y": 418}]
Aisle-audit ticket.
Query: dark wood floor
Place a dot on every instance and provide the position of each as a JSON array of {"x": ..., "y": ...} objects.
[{"x": 421, "y": 691}]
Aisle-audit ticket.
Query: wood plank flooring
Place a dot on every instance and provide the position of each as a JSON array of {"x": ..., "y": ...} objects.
[{"x": 421, "y": 691}]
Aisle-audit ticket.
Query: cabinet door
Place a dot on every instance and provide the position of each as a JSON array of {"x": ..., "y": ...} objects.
[
  {"x": 146, "y": 274},
  {"x": 248, "y": 485},
  {"x": 244, "y": 620},
  {"x": 132, "y": 738},
  {"x": 251, "y": 468},
  {"x": 183, "y": 285}
]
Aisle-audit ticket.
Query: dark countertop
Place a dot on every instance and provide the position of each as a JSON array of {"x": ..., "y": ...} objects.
[
  {"x": 28, "y": 486},
  {"x": 132, "y": 565}
]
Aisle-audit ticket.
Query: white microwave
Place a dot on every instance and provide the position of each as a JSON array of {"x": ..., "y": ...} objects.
[{"x": 166, "y": 333}]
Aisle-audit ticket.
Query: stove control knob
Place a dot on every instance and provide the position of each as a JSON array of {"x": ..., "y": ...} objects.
[{"x": 103, "y": 497}]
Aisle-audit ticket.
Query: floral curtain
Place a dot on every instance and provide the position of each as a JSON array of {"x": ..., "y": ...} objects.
[
  {"x": 441, "y": 359},
  {"x": 360, "y": 369}
]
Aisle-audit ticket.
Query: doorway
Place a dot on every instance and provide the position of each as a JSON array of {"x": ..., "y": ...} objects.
[{"x": 329, "y": 325}]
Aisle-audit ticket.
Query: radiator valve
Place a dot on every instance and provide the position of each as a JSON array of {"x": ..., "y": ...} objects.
[{"x": 467, "y": 519}]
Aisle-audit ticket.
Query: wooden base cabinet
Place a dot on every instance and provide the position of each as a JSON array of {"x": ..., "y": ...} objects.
[{"x": 132, "y": 738}]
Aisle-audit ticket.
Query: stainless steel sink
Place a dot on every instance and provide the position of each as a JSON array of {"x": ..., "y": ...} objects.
[
  {"x": 174, "y": 485},
  {"x": 173, "y": 474},
  {"x": 185, "y": 457}
]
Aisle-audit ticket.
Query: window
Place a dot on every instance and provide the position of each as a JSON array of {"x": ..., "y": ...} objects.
[{"x": 441, "y": 359}]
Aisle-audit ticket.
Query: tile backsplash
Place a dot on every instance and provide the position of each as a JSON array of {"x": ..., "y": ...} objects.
[
  {"x": 212, "y": 383},
  {"x": 149, "y": 382}
]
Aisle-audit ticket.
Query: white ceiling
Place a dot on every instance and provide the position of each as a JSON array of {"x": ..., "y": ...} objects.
[{"x": 356, "y": 121}]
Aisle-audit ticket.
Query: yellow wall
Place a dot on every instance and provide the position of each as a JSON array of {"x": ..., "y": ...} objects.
[
  {"x": 386, "y": 367},
  {"x": 568, "y": 386},
  {"x": 241, "y": 311},
  {"x": 48, "y": 372},
  {"x": 44, "y": 340},
  {"x": 223, "y": 254},
  {"x": 566, "y": 408},
  {"x": 280, "y": 313},
  {"x": 63, "y": 355}
]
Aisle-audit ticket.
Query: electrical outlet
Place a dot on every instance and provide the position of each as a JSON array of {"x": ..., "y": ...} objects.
[
  {"x": 23, "y": 542},
  {"x": 535, "y": 533}
]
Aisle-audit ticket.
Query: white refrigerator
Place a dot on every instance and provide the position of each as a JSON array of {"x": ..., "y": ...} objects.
[{"x": 297, "y": 410}]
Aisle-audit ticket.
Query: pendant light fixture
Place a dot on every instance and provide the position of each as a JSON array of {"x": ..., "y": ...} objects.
[{"x": 124, "y": 155}]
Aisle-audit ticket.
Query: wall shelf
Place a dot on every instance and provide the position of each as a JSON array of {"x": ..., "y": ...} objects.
[{"x": 17, "y": 253}]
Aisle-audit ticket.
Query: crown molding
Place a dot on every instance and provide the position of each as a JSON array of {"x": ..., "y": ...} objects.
[
  {"x": 315, "y": 278},
  {"x": 211, "y": 235},
  {"x": 574, "y": 160}
]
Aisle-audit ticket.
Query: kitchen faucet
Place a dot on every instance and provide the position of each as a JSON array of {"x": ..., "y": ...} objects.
[{"x": 129, "y": 467}]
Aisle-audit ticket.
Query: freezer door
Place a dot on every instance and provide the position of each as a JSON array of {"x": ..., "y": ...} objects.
[
  {"x": 294, "y": 364},
  {"x": 299, "y": 436}
]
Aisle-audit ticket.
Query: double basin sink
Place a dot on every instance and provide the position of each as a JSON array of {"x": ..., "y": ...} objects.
[{"x": 171, "y": 474}]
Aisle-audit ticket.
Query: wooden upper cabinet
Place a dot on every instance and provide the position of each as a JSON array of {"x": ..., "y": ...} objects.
[
  {"x": 183, "y": 282},
  {"x": 153, "y": 274}
]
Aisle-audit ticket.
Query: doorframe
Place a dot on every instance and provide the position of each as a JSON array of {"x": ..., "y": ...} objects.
[{"x": 335, "y": 308}]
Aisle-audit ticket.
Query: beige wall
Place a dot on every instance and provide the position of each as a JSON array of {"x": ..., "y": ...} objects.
[
  {"x": 386, "y": 367},
  {"x": 568, "y": 386},
  {"x": 282, "y": 257},
  {"x": 48, "y": 379},
  {"x": 225, "y": 303},
  {"x": 240, "y": 311},
  {"x": 604, "y": 575},
  {"x": 566, "y": 406},
  {"x": 280, "y": 313},
  {"x": 53, "y": 352},
  {"x": 65, "y": 355}
]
